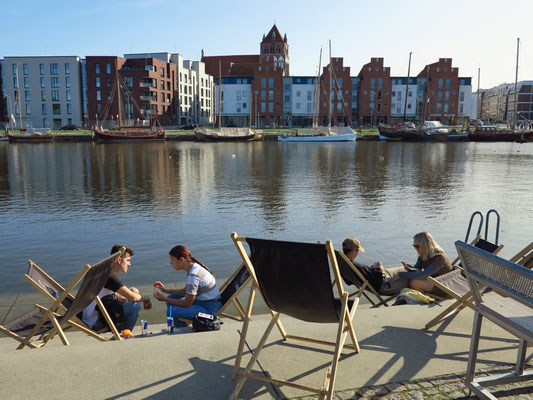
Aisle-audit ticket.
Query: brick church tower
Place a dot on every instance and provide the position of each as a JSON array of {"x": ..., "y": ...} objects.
[{"x": 267, "y": 86}]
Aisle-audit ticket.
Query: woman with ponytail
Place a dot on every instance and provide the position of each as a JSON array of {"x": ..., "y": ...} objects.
[{"x": 200, "y": 294}]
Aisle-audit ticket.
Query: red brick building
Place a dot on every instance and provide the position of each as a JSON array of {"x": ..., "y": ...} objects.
[
  {"x": 267, "y": 70},
  {"x": 151, "y": 84},
  {"x": 442, "y": 91},
  {"x": 339, "y": 88},
  {"x": 375, "y": 88}
]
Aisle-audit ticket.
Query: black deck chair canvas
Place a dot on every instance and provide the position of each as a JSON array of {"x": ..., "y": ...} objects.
[
  {"x": 294, "y": 279},
  {"x": 455, "y": 285},
  {"x": 46, "y": 322},
  {"x": 352, "y": 276}
]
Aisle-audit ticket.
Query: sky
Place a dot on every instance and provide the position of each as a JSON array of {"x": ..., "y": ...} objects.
[{"x": 476, "y": 34}]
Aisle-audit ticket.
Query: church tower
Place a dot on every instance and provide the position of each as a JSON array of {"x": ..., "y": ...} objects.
[{"x": 275, "y": 47}]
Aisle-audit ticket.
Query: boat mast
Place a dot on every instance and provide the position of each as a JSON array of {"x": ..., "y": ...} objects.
[
  {"x": 516, "y": 84},
  {"x": 219, "y": 93},
  {"x": 19, "y": 95},
  {"x": 478, "y": 103},
  {"x": 317, "y": 93},
  {"x": 330, "y": 86},
  {"x": 407, "y": 88},
  {"x": 119, "y": 95}
]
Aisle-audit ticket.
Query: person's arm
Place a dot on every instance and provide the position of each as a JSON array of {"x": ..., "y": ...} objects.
[
  {"x": 135, "y": 296},
  {"x": 429, "y": 271},
  {"x": 175, "y": 292},
  {"x": 186, "y": 302}
]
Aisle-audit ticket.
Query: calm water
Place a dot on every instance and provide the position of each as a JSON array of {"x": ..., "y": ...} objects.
[{"x": 65, "y": 205}]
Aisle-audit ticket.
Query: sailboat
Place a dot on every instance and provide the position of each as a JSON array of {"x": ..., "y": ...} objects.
[
  {"x": 317, "y": 133},
  {"x": 125, "y": 133},
  {"x": 223, "y": 134}
]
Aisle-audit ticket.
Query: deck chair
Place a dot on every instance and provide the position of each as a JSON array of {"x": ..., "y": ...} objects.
[
  {"x": 229, "y": 293},
  {"x": 294, "y": 279},
  {"x": 454, "y": 283},
  {"x": 47, "y": 322},
  {"x": 352, "y": 276},
  {"x": 510, "y": 306}
]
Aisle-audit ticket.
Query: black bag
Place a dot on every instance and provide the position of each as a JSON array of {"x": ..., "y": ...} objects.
[
  {"x": 114, "y": 308},
  {"x": 206, "y": 322}
]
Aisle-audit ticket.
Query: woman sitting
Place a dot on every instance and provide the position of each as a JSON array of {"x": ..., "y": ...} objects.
[
  {"x": 200, "y": 294},
  {"x": 432, "y": 261}
]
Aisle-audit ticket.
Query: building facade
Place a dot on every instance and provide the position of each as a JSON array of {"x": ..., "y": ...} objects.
[
  {"x": 375, "y": 91},
  {"x": 50, "y": 91}
]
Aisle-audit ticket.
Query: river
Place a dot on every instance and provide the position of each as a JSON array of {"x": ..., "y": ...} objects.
[{"x": 64, "y": 205}]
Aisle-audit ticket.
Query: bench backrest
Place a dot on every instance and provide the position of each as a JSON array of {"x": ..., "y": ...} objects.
[{"x": 503, "y": 276}]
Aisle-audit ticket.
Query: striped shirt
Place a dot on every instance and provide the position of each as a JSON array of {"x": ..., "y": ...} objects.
[{"x": 202, "y": 284}]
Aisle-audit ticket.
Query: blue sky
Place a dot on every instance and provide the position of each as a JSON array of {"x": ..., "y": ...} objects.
[{"x": 475, "y": 33}]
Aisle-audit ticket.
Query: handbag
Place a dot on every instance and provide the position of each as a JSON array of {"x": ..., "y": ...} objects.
[{"x": 206, "y": 322}]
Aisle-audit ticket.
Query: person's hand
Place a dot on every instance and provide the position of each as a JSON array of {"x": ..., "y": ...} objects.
[
  {"x": 159, "y": 296},
  {"x": 405, "y": 266},
  {"x": 147, "y": 305},
  {"x": 159, "y": 285}
]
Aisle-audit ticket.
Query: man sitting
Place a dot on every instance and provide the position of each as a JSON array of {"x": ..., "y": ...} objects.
[{"x": 122, "y": 303}]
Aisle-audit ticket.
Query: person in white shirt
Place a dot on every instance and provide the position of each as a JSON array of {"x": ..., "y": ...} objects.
[{"x": 200, "y": 294}]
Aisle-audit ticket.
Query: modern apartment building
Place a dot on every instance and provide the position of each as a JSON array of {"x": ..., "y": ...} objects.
[
  {"x": 375, "y": 91},
  {"x": 43, "y": 92},
  {"x": 299, "y": 100},
  {"x": 335, "y": 94}
]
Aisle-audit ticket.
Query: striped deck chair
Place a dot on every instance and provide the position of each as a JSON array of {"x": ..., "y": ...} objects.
[{"x": 48, "y": 322}]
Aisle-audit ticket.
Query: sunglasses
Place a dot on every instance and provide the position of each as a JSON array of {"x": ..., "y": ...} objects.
[{"x": 416, "y": 246}]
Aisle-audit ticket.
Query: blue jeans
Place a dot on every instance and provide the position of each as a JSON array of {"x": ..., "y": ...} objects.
[
  {"x": 131, "y": 313},
  {"x": 208, "y": 307}
]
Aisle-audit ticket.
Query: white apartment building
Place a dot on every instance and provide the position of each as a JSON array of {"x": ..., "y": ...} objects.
[
  {"x": 195, "y": 97},
  {"x": 236, "y": 99},
  {"x": 50, "y": 91},
  {"x": 467, "y": 99},
  {"x": 400, "y": 92},
  {"x": 299, "y": 100}
]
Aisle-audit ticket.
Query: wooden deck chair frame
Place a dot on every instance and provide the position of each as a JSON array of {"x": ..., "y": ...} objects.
[
  {"x": 461, "y": 300},
  {"x": 236, "y": 285},
  {"x": 345, "y": 327},
  {"x": 51, "y": 314},
  {"x": 58, "y": 289},
  {"x": 511, "y": 310},
  {"x": 368, "y": 287}
]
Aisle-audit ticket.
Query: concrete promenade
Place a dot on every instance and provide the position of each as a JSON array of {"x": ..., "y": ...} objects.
[{"x": 399, "y": 359}]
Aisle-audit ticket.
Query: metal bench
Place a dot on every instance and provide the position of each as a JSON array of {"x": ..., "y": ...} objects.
[{"x": 510, "y": 307}]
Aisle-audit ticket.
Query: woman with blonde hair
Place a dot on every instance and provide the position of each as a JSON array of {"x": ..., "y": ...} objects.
[{"x": 432, "y": 261}]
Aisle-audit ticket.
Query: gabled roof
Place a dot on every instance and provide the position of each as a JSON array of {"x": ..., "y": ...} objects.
[{"x": 273, "y": 36}]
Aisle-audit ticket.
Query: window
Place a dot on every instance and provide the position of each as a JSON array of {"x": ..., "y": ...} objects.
[
  {"x": 460, "y": 108},
  {"x": 379, "y": 106},
  {"x": 244, "y": 95},
  {"x": 108, "y": 82},
  {"x": 339, "y": 81},
  {"x": 41, "y": 69},
  {"x": 162, "y": 71},
  {"x": 69, "y": 108},
  {"x": 128, "y": 80},
  {"x": 107, "y": 69},
  {"x": 439, "y": 97},
  {"x": 309, "y": 95},
  {"x": 298, "y": 93},
  {"x": 97, "y": 81},
  {"x": 43, "y": 95},
  {"x": 26, "y": 82},
  {"x": 263, "y": 94},
  {"x": 271, "y": 95},
  {"x": 439, "y": 107},
  {"x": 446, "y": 107},
  {"x": 67, "y": 69},
  {"x": 98, "y": 95},
  {"x": 371, "y": 95},
  {"x": 270, "y": 82},
  {"x": 263, "y": 83},
  {"x": 372, "y": 83},
  {"x": 393, "y": 95},
  {"x": 55, "y": 95},
  {"x": 162, "y": 97},
  {"x": 380, "y": 83},
  {"x": 399, "y": 96},
  {"x": 15, "y": 82},
  {"x": 263, "y": 107},
  {"x": 16, "y": 108},
  {"x": 447, "y": 96},
  {"x": 398, "y": 108},
  {"x": 238, "y": 95},
  {"x": 43, "y": 109},
  {"x": 14, "y": 68},
  {"x": 54, "y": 69},
  {"x": 27, "y": 95},
  {"x": 244, "y": 105},
  {"x": 440, "y": 83},
  {"x": 28, "y": 109},
  {"x": 98, "y": 108},
  {"x": 239, "y": 107},
  {"x": 409, "y": 106},
  {"x": 448, "y": 83},
  {"x": 25, "y": 69},
  {"x": 410, "y": 94},
  {"x": 68, "y": 95},
  {"x": 56, "y": 109},
  {"x": 339, "y": 105},
  {"x": 270, "y": 107},
  {"x": 461, "y": 96},
  {"x": 97, "y": 68},
  {"x": 55, "y": 81},
  {"x": 309, "y": 107},
  {"x": 162, "y": 85}
]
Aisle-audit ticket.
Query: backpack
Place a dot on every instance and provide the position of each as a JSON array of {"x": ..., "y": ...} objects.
[{"x": 206, "y": 322}]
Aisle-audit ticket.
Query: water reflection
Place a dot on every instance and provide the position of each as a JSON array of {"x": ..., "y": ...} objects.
[{"x": 84, "y": 197}]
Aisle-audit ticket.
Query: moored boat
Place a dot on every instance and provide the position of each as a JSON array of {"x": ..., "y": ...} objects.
[
  {"x": 396, "y": 132},
  {"x": 493, "y": 134},
  {"x": 224, "y": 134},
  {"x": 31, "y": 136},
  {"x": 129, "y": 134},
  {"x": 344, "y": 134}
]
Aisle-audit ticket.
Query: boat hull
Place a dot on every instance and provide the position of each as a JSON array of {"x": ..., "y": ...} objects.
[
  {"x": 16, "y": 138},
  {"x": 347, "y": 137},
  {"x": 493, "y": 135},
  {"x": 128, "y": 136},
  {"x": 224, "y": 134}
]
